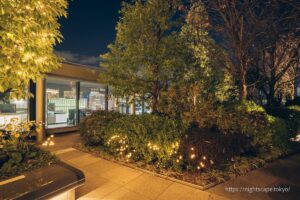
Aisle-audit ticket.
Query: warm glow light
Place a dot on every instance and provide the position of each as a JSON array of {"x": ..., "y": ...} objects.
[{"x": 202, "y": 164}]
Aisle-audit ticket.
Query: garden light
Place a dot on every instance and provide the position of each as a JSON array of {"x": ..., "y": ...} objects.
[{"x": 202, "y": 164}]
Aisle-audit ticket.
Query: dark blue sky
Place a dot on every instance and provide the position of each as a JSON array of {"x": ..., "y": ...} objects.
[{"x": 89, "y": 28}]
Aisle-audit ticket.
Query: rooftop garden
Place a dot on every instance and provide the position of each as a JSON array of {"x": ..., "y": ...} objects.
[{"x": 213, "y": 112}]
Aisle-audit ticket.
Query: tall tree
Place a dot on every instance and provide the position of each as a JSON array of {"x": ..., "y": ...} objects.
[
  {"x": 276, "y": 50},
  {"x": 28, "y": 31},
  {"x": 236, "y": 22},
  {"x": 206, "y": 80},
  {"x": 144, "y": 58}
]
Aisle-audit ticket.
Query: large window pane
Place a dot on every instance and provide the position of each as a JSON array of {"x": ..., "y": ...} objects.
[
  {"x": 60, "y": 102},
  {"x": 12, "y": 108},
  {"x": 92, "y": 98},
  {"x": 112, "y": 101}
]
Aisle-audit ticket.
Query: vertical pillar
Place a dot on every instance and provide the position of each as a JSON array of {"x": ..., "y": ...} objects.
[
  {"x": 106, "y": 98},
  {"x": 32, "y": 101},
  {"x": 132, "y": 105},
  {"x": 143, "y": 106},
  {"x": 40, "y": 108},
  {"x": 77, "y": 110},
  {"x": 127, "y": 106}
]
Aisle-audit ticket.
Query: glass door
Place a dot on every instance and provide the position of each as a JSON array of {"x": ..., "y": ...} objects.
[{"x": 60, "y": 102}]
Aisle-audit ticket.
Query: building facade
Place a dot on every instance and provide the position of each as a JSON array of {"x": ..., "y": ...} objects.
[{"x": 62, "y": 99}]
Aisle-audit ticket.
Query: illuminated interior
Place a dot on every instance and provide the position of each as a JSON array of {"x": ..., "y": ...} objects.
[
  {"x": 12, "y": 108},
  {"x": 69, "y": 101}
]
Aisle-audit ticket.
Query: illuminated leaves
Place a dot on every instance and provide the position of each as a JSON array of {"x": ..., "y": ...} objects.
[{"x": 28, "y": 32}]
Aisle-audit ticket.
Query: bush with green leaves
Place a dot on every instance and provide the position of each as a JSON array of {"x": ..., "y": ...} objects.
[
  {"x": 263, "y": 130},
  {"x": 234, "y": 130},
  {"x": 150, "y": 138},
  {"x": 93, "y": 128},
  {"x": 16, "y": 155},
  {"x": 290, "y": 114},
  {"x": 204, "y": 149}
]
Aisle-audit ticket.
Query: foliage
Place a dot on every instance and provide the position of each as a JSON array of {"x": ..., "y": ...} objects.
[
  {"x": 236, "y": 139},
  {"x": 204, "y": 149},
  {"x": 262, "y": 130},
  {"x": 28, "y": 32},
  {"x": 288, "y": 117},
  {"x": 276, "y": 52},
  {"x": 16, "y": 155},
  {"x": 93, "y": 128},
  {"x": 24, "y": 160},
  {"x": 150, "y": 138},
  {"x": 206, "y": 79},
  {"x": 147, "y": 54}
]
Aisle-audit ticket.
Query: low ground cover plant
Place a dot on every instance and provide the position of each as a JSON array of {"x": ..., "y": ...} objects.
[{"x": 16, "y": 154}]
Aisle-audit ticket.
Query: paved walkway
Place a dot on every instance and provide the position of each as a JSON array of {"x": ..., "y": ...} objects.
[
  {"x": 284, "y": 173},
  {"x": 108, "y": 180}
]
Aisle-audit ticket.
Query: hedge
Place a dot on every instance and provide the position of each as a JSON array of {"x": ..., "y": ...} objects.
[{"x": 237, "y": 130}]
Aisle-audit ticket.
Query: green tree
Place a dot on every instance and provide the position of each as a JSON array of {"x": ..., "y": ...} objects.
[
  {"x": 146, "y": 55},
  {"x": 206, "y": 80},
  {"x": 28, "y": 31}
]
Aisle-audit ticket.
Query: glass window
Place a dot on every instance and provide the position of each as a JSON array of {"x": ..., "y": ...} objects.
[
  {"x": 12, "y": 108},
  {"x": 123, "y": 106},
  {"x": 92, "y": 97},
  {"x": 60, "y": 102},
  {"x": 112, "y": 101}
]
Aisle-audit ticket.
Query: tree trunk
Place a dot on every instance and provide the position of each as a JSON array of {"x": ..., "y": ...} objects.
[
  {"x": 154, "y": 100},
  {"x": 271, "y": 96},
  {"x": 243, "y": 88},
  {"x": 154, "y": 104}
]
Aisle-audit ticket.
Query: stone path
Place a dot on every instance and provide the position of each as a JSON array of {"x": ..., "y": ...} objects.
[
  {"x": 108, "y": 180},
  {"x": 284, "y": 173}
]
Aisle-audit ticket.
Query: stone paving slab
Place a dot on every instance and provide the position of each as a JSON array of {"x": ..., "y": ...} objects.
[
  {"x": 284, "y": 173},
  {"x": 149, "y": 185},
  {"x": 108, "y": 180}
]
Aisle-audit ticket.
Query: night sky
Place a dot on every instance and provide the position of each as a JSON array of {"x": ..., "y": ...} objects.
[{"x": 87, "y": 31}]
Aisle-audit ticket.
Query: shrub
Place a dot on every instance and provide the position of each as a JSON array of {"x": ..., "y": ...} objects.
[
  {"x": 16, "y": 155},
  {"x": 92, "y": 128},
  {"x": 150, "y": 138},
  {"x": 251, "y": 120},
  {"x": 231, "y": 131},
  {"x": 204, "y": 149},
  {"x": 248, "y": 119},
  {"x": 280, "y": 133},
  {"x": 284, "y": 125}
]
